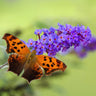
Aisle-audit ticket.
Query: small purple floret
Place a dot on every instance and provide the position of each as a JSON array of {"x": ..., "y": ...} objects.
[{"x": 38, "y": 31}]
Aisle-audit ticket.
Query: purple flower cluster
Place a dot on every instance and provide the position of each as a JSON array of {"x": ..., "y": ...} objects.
[
  {"x": 82, "y": 50},
  {"x": 58, "y": 39}
]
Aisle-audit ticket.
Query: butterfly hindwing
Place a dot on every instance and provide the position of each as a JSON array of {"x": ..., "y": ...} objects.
[
  {"x": 50, "y": 64},
  {"x": 33, "y": 72},
  {"x": 14, "y": 45},
  {"x": 16, "y": 63}
]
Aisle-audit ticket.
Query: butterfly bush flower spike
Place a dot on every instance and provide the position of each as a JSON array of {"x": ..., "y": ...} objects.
[
  {"x": 82, "y": 50},
  {"x": 60, "y": 39}
]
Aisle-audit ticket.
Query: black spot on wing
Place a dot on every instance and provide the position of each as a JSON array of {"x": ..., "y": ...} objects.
[
  {"x": 15, "y": 47},
  {"x": 52, "y": 65},
  {"x": 21, "y": 47},
  {"x": 10, "y": 39},
  {"x": 58, "y": 65},
  {"x": 48, "y": 65},
  {"x": 43, "y": 64},
  {"x": 45, "y": 59},
  {"x": 13, "y": 44},
  {"x": 58, "y": 62},
  {"x": 38, "y": 68},
  {"x": 18, "y": 50},
  {"x": 50, "y": 59},
  {"x": 12, "y": 51},
  {"x": 19, "y": 43}
]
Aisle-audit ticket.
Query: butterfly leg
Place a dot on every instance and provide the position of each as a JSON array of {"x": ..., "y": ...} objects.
[{"x": 16, "y": 63}]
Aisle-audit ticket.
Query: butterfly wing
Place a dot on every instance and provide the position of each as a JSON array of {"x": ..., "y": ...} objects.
[
  {"x": 50, "y": 64},
  {"x": 14, "y": 45},
  {"x": 32, "y": 72},
  {"x": 19, "y": 49},
  {"x": 16, "y": 63}
]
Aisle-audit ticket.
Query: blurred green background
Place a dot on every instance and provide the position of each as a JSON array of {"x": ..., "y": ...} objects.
[{"x": 21, "y": 18}]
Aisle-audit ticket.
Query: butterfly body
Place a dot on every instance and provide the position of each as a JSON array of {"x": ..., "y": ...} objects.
[
  {"x": 31, "y": 59},
  {"x": 22, "y": 58}
]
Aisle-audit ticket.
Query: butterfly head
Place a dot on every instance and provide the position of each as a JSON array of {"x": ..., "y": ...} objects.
[{"x": 34, "y": 52}]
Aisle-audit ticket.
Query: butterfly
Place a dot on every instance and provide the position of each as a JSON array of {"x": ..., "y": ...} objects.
[{"x": 21, "y": 58}]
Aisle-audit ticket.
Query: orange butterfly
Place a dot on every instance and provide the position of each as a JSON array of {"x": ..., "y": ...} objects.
[{"x": 21, "y": 58}]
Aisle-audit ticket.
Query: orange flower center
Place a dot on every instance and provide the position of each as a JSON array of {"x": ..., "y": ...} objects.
[
  {"x": 61, "y": 37},
  {"x": 49, "y": 39},
  {"x": 44, "y": 39},
  {"x": 30, "y": 43}
]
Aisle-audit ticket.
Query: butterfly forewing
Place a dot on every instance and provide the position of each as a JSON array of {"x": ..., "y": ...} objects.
[
  {"x": 50, "y": 64},
  {"x": 14, "y": 45}
]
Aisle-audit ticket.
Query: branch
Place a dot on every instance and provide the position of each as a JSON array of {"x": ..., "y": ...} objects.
[{"x": 1, "y": 66}]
